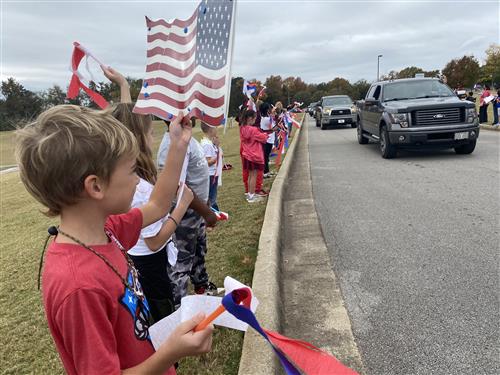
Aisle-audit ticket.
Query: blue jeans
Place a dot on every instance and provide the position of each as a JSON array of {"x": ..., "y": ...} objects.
[
  {"x": 212, "y": 192},
  {"x": 495, "y": 115}
]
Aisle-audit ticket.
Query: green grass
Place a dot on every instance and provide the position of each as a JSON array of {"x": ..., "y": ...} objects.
[
  {"x": 27, "y": 346},
  {"x": 7, "y": 149}
]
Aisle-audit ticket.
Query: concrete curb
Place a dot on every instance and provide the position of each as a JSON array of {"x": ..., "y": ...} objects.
[
  {"x": 489, "y": 127},
  {"x": 256, "y": 356}
]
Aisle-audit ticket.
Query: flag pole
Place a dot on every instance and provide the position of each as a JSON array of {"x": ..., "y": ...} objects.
[{"x": 228, "y": 76}]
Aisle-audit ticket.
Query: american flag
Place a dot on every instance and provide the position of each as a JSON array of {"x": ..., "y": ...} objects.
[{"x": 189, "y": 65}]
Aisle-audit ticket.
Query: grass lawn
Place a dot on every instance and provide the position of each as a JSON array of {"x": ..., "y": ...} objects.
[{"x": 27, "y": 346}]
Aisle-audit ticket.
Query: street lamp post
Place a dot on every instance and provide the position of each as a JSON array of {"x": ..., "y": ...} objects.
[
  {"x": 378, "y": 66},
  {"x": 287, "y": 92}
]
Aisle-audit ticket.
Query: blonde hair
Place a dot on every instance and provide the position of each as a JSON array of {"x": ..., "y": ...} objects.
[
  {"x": 139, "y": 125},
  {"x": 63, "y": 146}
]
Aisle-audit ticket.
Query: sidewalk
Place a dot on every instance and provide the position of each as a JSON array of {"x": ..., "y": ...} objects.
[
  {"x": 313, "y": 305},
  {"x": 488, "y": 127}
]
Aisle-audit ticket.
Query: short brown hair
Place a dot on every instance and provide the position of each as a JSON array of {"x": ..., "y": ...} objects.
[
  {"x": 63, "y": 146},
  {"x": 205, "y": 128},
  {"x": 139, "y": 125}
]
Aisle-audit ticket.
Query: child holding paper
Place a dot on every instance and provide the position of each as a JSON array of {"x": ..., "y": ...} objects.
[
  {"x": 94, "y": 303},
  {"x": 483, "y": 105}
]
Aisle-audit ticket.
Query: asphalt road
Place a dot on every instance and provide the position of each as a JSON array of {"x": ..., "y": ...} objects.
[{"x": 414, "y": 242}]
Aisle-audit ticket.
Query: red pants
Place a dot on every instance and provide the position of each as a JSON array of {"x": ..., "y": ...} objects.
[{"x": 258, "y": 183}]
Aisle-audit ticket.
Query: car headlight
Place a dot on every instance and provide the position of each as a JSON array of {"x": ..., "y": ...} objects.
[
  {"x": 354, "y": 109},
  {"x": 400, "y": 118},
  {"x": 326, "y": 111},
  {"x": 470, "y": 114}
]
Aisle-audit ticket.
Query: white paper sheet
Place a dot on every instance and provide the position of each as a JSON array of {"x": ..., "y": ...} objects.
[
  {"x": 489, "y": 99},
  {"x": 192, "y": 305}
]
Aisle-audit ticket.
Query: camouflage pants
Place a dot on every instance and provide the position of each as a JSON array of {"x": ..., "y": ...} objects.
[{"x": 191, "y": 241}]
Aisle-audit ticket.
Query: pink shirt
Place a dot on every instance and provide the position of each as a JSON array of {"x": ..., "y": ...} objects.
[
  {"x": 484, "y": 95},
  {"x": 251, "y": 143},
  {"x": 94, "y": 320}
]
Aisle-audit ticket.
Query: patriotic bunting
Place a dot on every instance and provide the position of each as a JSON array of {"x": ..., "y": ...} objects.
[{"x": 297, "y": 357}]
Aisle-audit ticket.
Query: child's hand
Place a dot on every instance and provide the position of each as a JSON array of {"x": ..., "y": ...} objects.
[
  {"x": 187, "y": 196},
  {"x": 185, "y": 342},
  {"x": 180, "y": 130},
  {"x": 114, "y": 75}
]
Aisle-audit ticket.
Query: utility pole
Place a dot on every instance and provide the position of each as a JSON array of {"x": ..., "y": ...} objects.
[{"x": 378, "y": 66}]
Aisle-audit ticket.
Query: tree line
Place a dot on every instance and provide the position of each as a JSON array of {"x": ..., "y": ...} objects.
[{"x": 18, "y": 104}]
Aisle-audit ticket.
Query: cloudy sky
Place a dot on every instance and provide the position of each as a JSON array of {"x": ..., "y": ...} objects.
[{"x": 316, "y": 40}]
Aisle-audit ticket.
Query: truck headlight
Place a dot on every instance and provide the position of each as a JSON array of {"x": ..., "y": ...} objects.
[
  {"x": 326, "y": 111},
  {"x": 470, "y": 114},
  {"x": 400, "y": 118},
  {"x": 354, "y": 109}
]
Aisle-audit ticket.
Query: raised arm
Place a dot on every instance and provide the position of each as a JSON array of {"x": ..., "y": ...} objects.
[
  {"x": 116, "y": 77},
  {"x": 168, "y": 180}
]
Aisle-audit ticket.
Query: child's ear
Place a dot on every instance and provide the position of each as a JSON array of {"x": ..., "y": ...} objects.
[{"x": 93, "y": 187}]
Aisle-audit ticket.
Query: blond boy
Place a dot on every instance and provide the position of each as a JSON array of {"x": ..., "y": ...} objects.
[{"x": 80, "y": 164}]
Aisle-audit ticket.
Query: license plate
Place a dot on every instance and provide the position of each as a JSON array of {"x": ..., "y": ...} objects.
[
  {"x": 341, "y": 121},
  {"x": 461, "y": 135}
]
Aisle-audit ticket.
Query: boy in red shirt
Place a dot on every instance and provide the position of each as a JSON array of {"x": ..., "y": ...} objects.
[{"x": 80, "y": 164}]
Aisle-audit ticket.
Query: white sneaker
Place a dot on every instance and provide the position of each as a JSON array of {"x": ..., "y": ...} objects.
[{"x": 252, "y": 198}]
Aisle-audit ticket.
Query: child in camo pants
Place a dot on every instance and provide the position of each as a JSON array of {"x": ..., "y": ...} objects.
[{"x": 190, "y": 235}]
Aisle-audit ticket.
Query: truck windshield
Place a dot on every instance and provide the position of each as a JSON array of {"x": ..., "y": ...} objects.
[
  {"x": 342, "y": 100},
  {"x": 415, "y": 90}
]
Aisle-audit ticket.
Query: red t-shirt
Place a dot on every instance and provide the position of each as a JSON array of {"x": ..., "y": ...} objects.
[
  {"x": 251, "y": 143},
  {"x": 94, "y": 320}
]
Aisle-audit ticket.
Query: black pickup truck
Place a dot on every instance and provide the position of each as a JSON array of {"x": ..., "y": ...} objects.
[{"x": 416, "y": 112}]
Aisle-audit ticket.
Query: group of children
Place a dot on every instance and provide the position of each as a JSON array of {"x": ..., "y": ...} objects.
[
  {"x": 496, "y": 107},
  {"x": 257, "y": 138},
  {"x": 130, "y": 237},
  {"x": 483, "y": 106}
]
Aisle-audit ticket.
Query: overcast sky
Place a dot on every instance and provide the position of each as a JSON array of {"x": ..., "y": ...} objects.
[{"x": 316, "y": 40}]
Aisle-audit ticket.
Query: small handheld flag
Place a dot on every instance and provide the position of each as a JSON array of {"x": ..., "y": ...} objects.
[
  {"x": 79, "y": 52},
  {"x": 249, "y": 88},
  {"x": 221, "y": 216}
]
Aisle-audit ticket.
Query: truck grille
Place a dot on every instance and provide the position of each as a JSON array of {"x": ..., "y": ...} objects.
[
  {"x": 337, "y": 112},
  {"x": 439, "y": 116}
]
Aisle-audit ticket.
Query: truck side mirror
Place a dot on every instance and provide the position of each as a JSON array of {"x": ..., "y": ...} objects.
[{"x": 371, "y": 101}]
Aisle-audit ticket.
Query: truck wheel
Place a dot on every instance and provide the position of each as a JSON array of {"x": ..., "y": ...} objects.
[
  {"x": 362, "y": 140},
  {"x": 466, "y": 149},
  {"x": 353, "y": 125},
  {"x": 387, "y": 150}
]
